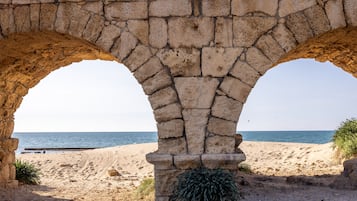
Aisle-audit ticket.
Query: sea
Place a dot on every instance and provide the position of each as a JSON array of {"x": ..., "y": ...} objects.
[{"x": 110, "y": 139}]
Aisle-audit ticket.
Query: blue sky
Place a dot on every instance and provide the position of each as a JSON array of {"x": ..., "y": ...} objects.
[{"x": 104, "y": 96}]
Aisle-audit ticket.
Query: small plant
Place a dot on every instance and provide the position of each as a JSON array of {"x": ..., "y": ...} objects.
[
  {"x": 146, "y": 190},
  {"x": 244, "y": 167},
  {"x": 206, "y": 185},
  {"x": 345, "y": 139},
  {"x": 27, "y": 173}
]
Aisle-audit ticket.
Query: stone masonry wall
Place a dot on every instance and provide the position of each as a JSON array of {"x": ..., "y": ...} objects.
[{"x": 197, "y": 60}]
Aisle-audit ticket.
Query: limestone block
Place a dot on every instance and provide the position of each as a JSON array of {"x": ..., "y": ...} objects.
[
  {"x": 138, "y": 57},
  {"x": 235, "y": 88},
  {"x": 78, "y": 22},
  {"x": 7, "y": 21},
  {"x": 126, "y": 10},
  {"x": 94, "y": 7},
  {"x": 257, "y": 60},
  {"x": 149, "y": 69},
  {"x": 243, "y": 7},
  {"x": 350, "y": 12},
  {"x": 159, "y": 81},
  {"x": 190, "y": 32},
  {"x": 140, "y": 29},
  {"x": 10, "y": 144},
  {"x": 284, "y": 37},
  {"x": 317, "y": 19},
  {"x": 5, "y": 172},
  {"x": 287, "y": 7},
  {"x": 245, "y": 73},
  {"x": 224, "y": 161},
  {"x": 167, "y": 113},
  {"x": 158, "y": 32},
  {"x": 246, "y": 30},
  {"x": 165, "y": 181},
  {"x": 219, "y": 144},
  {"x": 216, "y": 62},
  {"x": 124, "y": 45},
  {"x": 226, "y": 108},
  {"x": 298, "y": 24},
  {"x": 224, "y": 32},
  {"x": 93, "y": 29},
  {"x": 186, "y": 161},
  {"x": 163, "y": 97},
  {"x": 196, "y": 92},
  {"x": 22, "y": 18},
  {"x": 270, "y": 47},
  {"x": 169, "y": 129},
  {"x": 182, "y": 61},
  {"x": 216, "y": 7},
  {"x": 160, "y": 161},
  {"x": 221, "y": 127},
  {"x": 334, "y": 11},
  {"x": 172, "y": 146},
  {"x": 107, "y": 37},
  {"x": 195, "y": 127},
  {"x": 63, "y": 19},
  {"x": 35, "y": 16},
  {"x": 48, "y": 16},
  {"x": 165, "y": 8}
]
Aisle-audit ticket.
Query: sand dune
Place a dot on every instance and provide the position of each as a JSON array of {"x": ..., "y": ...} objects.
[{"x": 83, "y": 175}]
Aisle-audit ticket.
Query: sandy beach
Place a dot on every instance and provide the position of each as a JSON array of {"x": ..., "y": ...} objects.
[{"x": 83, "y": 175}]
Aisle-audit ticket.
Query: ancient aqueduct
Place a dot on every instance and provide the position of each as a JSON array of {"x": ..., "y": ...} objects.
[{"x": 197, "y": 61}]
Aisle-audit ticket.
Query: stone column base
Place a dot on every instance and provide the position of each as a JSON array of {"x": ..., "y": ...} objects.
[
  {"x": 168, "y": 167},
  {"x": 9, "y": 184}
]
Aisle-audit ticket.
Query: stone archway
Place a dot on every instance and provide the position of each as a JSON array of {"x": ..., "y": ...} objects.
[{"x": 197, "y": 60}]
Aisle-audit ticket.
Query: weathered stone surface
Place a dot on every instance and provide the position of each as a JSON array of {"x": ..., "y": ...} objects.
[
  {"x": 224, "y": 32},
  {"x": 126, "y": 10},
  {"x": 335, "y": 14},
  {"x": 182, "y": 61},
  {"x": 195, "y": 127},
  {"x": 190, "y": 32},
  {"x": 245, "y": 73},
  {"x": 113, "y": 172},
  {"x": 94, "y": 7},
  {"x": 22, "y": 18},
  {"x": 298, "y": 24},
  {"x": 63, "y": 19},
  {"x": 257, "y": 60},
  {"x": 165, "y": 8},
  {"x": 216, "y": 62},
  {"x": 78, "y": 23},
  {"x": 163, "y": 97},
  {"x": 221, "y": 127},
  {"x": 172, "y": 146},
  {"x": 317, "y": 19},
  {"x": 226, "y": 108},
  {"x": 243, "y": 7},
  {"x": 196, "y": 92},
  {"x": 94, "y": 26},
  {"x": 140, "y": 29},
  {"x": 284, "y": 37},
  {"x": 124, "y": 45},
  {"x": 138, "y": 57},
  {"x": 246, "y": 30},
  {"x": 348, "y": 178},
  {"x": 235, "y": 88},
  {"x": 216, "y": 7},
  {"x": 10, "y": 144},
  {"x": 35, "y": 17},
  {"x": 219, "y": 144},
  {"x": 107, "y": 37},
  {"x": 165, "y": 180},
  {"x": 149, "y": 69},
  {"x": 159, "y": 81},
  {"x": 158, "y": 32},
  {"x": 7, "y": 21},
  {"x": 169, "y": 129},
  {"x": 167, "y": 113},
  {"x": 185, "y": 161},
  {"x": 270, "y": 47},
  {"x": 160, "y": 161},
  {"x": 350, "y": 12},
  {"x": 226, "y": 161},
  {"x": 287, "y": 7},
  {"x": 48, "y": 16}
]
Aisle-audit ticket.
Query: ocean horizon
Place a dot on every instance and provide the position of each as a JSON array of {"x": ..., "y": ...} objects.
[{"x": 111, "y": 139}]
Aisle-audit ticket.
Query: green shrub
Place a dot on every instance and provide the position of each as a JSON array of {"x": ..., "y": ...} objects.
[
  {"x": 146, "y": 190},
  {"x": 244, "y": 167},
  {"x": 345, "y": 139},
  {"x": 206, "y": 185},
  {"x": 27, "y": 173}
]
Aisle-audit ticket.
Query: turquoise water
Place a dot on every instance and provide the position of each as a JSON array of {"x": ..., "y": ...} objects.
[{"x": 109, "y": 139}]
